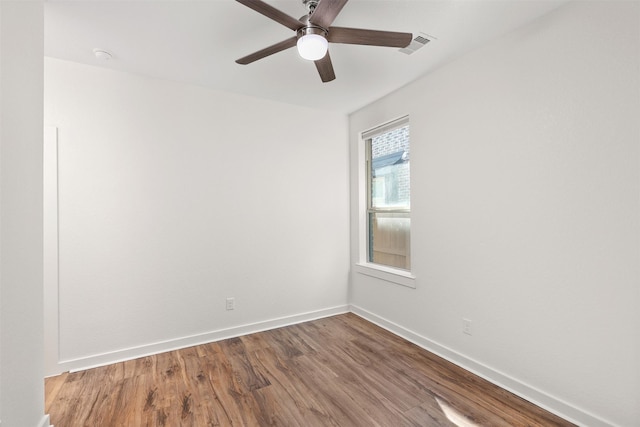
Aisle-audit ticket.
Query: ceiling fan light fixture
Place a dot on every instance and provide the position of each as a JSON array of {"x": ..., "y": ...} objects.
[
  {"x": 312, "y": 47},
  {"x": 314, "y": 32}
]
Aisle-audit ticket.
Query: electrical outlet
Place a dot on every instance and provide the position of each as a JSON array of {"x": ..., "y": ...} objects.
[
  {"x": 231, "y": 303},
  {"x": 467, "y": 326}
]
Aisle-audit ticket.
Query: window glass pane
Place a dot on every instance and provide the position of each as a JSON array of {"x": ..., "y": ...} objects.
[
  {"x": 389, "y": 199},
  {"x": 389, "y": 180},
  {"x": 389, "y": 239}
]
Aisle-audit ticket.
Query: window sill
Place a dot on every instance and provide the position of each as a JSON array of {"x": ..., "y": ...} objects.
[{"x": 388, "y": 274}]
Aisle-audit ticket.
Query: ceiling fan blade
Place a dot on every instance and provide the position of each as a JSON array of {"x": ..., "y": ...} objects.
[
  {"x": 325, "y": 68},
  {"x": 278, "y": 47},
  {"x": 326, "y": 12},
  {"x": 368, "y": 37},
  {"x": 273, "y": 13}
]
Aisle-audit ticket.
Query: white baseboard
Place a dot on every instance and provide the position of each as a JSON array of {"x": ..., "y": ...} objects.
[
  {"x": 44, "y": 422},
  {"x": 94, "y": 361},
  {"x": 527, "y": 392}
]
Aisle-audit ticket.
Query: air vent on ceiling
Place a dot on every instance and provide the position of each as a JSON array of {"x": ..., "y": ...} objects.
[{"x": 419, "y": 41}]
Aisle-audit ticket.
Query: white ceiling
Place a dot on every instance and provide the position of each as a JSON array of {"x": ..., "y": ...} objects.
[{"x": 197, "y": 42}]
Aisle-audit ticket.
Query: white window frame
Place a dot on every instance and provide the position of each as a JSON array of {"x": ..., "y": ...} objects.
[{"x": 363, "y": 266}]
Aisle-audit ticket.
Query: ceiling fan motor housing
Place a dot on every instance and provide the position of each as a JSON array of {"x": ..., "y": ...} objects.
[{"x": 309, "y": 28}]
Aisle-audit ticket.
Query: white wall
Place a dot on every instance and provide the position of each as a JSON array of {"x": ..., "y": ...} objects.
[
  {"x": 0, "y": 213},
  {"x": 21, "y": 307},
  {"x": 173, "y": 198},
  {"x": 525, "y": 196}
]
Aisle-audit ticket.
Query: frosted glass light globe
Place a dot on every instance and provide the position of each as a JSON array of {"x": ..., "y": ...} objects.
[{"x": 312, "y": 47}]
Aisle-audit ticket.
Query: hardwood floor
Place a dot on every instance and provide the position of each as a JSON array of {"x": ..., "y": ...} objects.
[{"x": 337, "y": 371}]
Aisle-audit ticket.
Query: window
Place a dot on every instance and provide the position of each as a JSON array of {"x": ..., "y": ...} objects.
[{"x": 388, "y": 213}]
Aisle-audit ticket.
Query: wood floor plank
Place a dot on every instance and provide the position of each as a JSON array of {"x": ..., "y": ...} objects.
[
  {"x": 429, "y": 413},
  {"x": 250, "y": 377},
  {"x": 336, "y": 371},
  {"x": 301, "y": 401},
  {"x": 340, "y": 404},
  {"x": 52, "y": 388}
]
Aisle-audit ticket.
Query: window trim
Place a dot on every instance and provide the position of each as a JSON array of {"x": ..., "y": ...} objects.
[
  {"x": 388, "y": 274},
  {"x": 363, "y": 266}
]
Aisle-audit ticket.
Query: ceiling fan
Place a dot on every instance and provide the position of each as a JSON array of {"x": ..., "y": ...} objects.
[{"x": 314, "y": 33}]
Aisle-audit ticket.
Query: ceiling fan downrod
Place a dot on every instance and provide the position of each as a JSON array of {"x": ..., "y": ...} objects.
[{"x": 311, "y": 5}]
